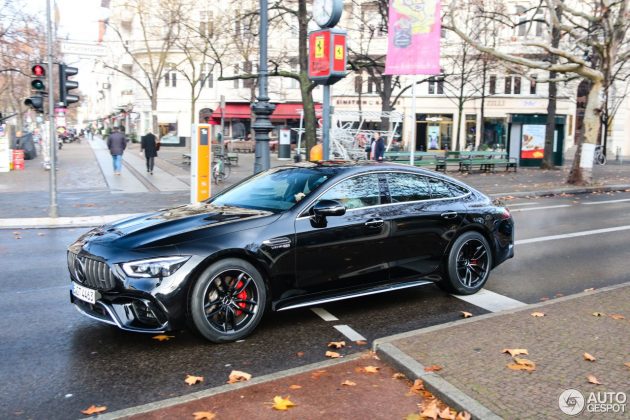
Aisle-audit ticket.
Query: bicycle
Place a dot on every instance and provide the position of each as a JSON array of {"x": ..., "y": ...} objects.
[
  {"x": 221, "y": 170},
  {"x": 599, "y": 157}
]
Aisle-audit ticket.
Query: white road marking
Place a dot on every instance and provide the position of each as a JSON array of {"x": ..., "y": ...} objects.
[
  {"x": 522, "y": 204},
  {"x": 541, "y": 208},
  {"x": 571, "y": 235},
  {"x": 491, "y": 301},
  {"x": 606, "y": 202},
  {"x": 324, "y": 314},
  {"x": 351, "y": 334}
]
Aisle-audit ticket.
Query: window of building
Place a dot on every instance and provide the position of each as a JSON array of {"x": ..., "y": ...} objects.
[
  {"x": 371, "y": 84},
  {"x": 170, "y": 79},
  {"x": 236, "y": 73},
  {"x": 237, "y": 24},
  {"x": 522, "y": 21},
  {"x": 408, "y": 187},
  {"x": 436, "y": 85},
  {"x": 247, "y": 69},
  {"x": 532, "y": 84},
  {"x": 471, "y": 130},
  {"x": 206, "y": 23},
  {"x": 492, "y": 89},
  {"x": 512, "y": 84},
  {"x": 354, "y": 193}
]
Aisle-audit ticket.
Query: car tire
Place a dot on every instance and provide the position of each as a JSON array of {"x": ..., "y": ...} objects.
[
  {"x": 468, "y": 264},
  {"x": 228, "y": 300}
]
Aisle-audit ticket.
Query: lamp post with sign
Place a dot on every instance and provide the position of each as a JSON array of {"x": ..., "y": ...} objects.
[{"x": 327, "y": 57}]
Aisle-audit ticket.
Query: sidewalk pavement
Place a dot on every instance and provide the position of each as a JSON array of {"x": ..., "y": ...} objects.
[{"x": 461, "y": 363}]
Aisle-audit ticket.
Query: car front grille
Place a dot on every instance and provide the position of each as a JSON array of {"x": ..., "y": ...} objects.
[{"x": 91, "y": 272}]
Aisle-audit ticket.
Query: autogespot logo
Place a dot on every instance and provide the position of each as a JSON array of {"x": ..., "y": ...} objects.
[{"x": 571, "y": 402}]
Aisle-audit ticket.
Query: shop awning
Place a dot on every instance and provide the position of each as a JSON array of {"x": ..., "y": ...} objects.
[{"x": 284, "y": 111}]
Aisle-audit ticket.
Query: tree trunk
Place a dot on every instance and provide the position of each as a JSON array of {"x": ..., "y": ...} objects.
[
  {"x": 582, "y": 170},
  {"x": 154, "y": 117},
  {"x": 482, "y": 108},
  {"x": 550, "y": 129},
  {"x": 386, "y": 100},
  {"x": 309, "y": 138}
]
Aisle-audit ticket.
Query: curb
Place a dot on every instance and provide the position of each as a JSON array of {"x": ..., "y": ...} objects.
[
  {"x": 558, "y": 191},
  {"x": 441, "y": 388},
  {"x": 154, "y": 406}
]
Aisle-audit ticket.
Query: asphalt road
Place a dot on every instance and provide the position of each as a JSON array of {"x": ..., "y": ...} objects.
[{"x": 55, "y": 362}]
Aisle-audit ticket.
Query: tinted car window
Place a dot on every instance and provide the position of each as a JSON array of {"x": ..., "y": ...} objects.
[
  {"x": 359, "y": 191},
  {"x": 443, "y": 189},
  {"x": 408, "y": 187},
  {"x": 273, "y": 191}
]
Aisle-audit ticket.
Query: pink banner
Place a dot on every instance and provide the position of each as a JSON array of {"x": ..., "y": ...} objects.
[{"x": 413, "y": 45}]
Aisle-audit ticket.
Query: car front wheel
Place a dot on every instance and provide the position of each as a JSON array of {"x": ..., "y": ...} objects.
[
  {"x": 469, "y": 263},
  {"x": 228, "y": 300}
]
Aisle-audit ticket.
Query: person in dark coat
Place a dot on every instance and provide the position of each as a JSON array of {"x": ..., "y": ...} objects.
[
  {"x": 116, "y": 143},
  {"x": 379, "y": 151},
  {"x": 148, "y": 144}
]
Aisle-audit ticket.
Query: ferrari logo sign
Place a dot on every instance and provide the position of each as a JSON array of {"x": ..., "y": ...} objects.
[
  {"x": 338, "y": 52},
  {"x": 319, "y": 46},
  {"x": 327, "y": 56}
]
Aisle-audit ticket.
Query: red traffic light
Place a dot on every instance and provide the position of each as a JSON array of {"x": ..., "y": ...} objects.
[{"x": 38, "y": 70}]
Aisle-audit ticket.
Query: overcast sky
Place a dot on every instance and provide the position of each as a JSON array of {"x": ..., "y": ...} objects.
[{"x": 78, "y": 19}]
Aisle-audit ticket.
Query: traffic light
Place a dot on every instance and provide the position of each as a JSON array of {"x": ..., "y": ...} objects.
[
  {"x": 38, "y": 88},
  {"x": 65, "y": 85}
]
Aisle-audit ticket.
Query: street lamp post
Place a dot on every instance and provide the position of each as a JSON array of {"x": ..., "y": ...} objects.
[
  {"x": 262, "y": 108},
  {"x": 52, "y": 212}
]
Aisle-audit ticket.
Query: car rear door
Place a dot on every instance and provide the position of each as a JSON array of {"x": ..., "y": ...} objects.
[
  {"x": 345, "y": 251},
  {"x": 424, "y": 216}
]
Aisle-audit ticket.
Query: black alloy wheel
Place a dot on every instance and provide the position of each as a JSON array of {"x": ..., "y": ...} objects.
[
  {"x": 469, "y": 263},
  {"x": 228, "y": 301}
]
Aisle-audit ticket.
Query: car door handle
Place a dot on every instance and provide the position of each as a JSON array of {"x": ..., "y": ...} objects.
[
  {"x": 374, "y": 223},
  {"x": 449, "y": 214}
]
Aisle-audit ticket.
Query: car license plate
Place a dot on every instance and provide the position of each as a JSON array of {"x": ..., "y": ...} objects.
[{"x": 83, "y": 293}]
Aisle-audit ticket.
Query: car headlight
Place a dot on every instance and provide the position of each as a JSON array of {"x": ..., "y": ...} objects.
[{"x": 154, "y": 267}]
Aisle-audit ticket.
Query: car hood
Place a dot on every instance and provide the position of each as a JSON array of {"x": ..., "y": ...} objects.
[{"x": 178, "y": 224}]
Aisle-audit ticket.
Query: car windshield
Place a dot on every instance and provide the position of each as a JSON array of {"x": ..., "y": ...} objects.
[{"x": 276, "y": 190}]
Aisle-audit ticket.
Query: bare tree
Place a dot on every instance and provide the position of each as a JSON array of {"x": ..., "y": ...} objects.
[
  {"x": 599, "y": 27},
  {"x": 159, "y": 24}
]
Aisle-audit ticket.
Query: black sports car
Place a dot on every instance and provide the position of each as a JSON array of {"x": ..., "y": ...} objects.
[{"x": 292, "y": 236}]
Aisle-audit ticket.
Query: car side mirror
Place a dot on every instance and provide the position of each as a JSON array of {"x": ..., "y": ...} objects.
[{"x": 324, "y": 208}]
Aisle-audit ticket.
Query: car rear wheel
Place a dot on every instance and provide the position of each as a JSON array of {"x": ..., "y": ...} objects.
[
  {"x": 228, "y": 300},
  {"x": 469, "y": 263}
]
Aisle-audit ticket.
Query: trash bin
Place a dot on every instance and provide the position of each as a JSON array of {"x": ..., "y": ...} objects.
[
  {"x": 18, "y": 160},
  {"x": 284, "y": 146}
]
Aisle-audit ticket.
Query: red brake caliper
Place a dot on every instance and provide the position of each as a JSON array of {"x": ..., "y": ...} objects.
[{"x": 242, "y": 296}]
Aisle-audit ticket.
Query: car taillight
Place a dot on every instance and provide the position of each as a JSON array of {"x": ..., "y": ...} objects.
[{"x": 505, "y": 214}]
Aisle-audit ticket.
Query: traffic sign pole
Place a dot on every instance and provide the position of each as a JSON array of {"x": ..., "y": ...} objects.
[{"x": 53, "y": 211}]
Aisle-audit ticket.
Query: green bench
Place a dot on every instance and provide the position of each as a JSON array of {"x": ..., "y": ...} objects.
[
  {"x": 421, "y": 159},
  {"x": 485, "y": 161}
]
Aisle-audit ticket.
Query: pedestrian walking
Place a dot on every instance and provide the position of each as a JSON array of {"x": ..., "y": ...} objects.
[
  {"x": 150, "y": 146},
  {"x": 368, "y": 147},
  {"x": 379, "y": 149},
  {"x": 116, "y": 143}
]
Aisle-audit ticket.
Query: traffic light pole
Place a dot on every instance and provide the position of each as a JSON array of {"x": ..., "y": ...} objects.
[{"x": 53, "y": 211}]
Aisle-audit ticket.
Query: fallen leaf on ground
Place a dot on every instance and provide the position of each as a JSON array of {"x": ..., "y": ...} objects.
[
  {"x": 191, "y": 379},
  {"x": 463, "y": 415},
  {"x": 316, "y": 375},
  {"x": 238, "y": 376},
  {"x": 430, "y": 411},
  {"x": 204, "y": 415},
  {"x": 446, "y": 414},
  {"x": 618, "y": 317},
  {"x": 417, "y": 387},
  {"x": 542, "y": 299},
  {"x": 299, "y": 354},
  {"x": 332, "y": 354},
  {"x": 589, "y": 357},
  {"x": 433, "y": 368},
  {"x": 592, "y": 379},
  {"x": 590, "y": 289},
  {"x": 163, "y": 337},
  {"x": 348, "y": 382},
  {"x": 413, "y": 416},
  {"x": 337, "y": 344},
  {"x": 538, "y": 314},
  {"x": 515, "y": 352},
  {"x": 399, "y": 376},
  {"x": 360, "y": 342},
  {"x": 522, "y": 364},
  {"x": 599, "y": 314},
  {"x": 466, "y": 314},
  {"x": 295, "y": 387},
  {"x": 282, "y": 404},
  {"x": 559, "y": 295},
  {"x": 93, "y": 409},
  {"x": 627, "y": 364},
  {"x": 371, "y": 369}
]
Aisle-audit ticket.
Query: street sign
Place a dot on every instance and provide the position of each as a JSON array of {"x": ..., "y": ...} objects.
[{"x": 328, "y": 56}]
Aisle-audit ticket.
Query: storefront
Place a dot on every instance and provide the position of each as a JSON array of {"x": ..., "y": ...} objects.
[
  {"x": 527, "y": 139},
  {"x": 434, "y": 132}
]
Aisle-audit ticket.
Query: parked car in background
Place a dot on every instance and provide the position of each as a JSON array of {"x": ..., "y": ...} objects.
[{"x": 292, "y": 236}]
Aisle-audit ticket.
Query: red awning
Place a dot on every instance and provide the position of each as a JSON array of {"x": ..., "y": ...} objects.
[{"x": 285, "y": 111}]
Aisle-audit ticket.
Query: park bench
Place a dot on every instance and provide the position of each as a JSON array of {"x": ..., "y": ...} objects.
[
  {"x": 421, "y": 159},
  {"x": 485, "y": 161}
]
